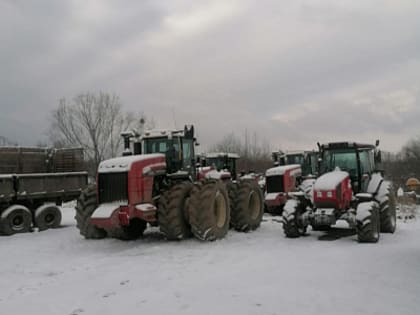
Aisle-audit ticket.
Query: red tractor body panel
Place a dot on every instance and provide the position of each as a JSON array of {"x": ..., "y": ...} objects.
[
  {"x": 141, "y": 171},
  {"x": 333, "y": 190},
  {"x": 280, "y": 181}
]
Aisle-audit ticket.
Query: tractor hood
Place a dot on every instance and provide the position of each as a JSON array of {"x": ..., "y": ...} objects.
[
  {"x": 123, "y": 164},
  {"x": 329, "y": 181},
  {"x": 294, "y": 169}
]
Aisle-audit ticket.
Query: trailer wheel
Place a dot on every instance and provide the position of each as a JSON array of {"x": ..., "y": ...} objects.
[
  {"x": 248, "y": 207},
  {"x": 47, "y": 217},
  {"x": 387, "y": 211},
  {"x": 172, "y": 214},
  {"x": 293, "y": 225},
  {"x": 209, "y": 210},
  {"x": 368, "y": 223},
  {"x": 15, "y": 219},
  {"x": 86, "y": 205}
]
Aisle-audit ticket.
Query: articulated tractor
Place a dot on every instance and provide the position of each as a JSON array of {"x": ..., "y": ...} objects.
[
  {"x": 157, "y": 183},
  {"x": 351, "y": 188}
]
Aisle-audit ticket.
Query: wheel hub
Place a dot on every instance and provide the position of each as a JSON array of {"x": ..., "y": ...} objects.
[{"x": 18, "y": 222}]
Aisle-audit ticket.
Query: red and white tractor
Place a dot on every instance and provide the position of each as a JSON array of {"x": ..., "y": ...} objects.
[
  {"x": 350, "y": 188},
  {"x": 157, "y": 184},
  {"x": 218, "y": 165},
  {"x": 280, "y": 181}
]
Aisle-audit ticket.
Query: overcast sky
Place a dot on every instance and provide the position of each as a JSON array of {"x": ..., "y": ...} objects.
[{"x": 296, "y": 72}]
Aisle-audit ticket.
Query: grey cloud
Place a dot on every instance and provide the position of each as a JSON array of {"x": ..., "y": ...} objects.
[{"x": 225, "y": 66}]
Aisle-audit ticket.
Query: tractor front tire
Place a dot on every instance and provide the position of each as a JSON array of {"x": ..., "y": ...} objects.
[
  {"x": 293, "y": 226},
  {"x": 387, "y": 211},
  {"x": 86, "y": 205},
  {"x": 368, "y": 222},
  {"x": 209, "y": 210},
  {"x": 173, "y": 221},
  {"x": 248, "y": 207}
]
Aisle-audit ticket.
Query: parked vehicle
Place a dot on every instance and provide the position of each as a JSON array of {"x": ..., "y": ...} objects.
[
  {"x": 351, "y": 188},
  {"x": 157, "y": 183},
  {"x": 34, "y": 182}
]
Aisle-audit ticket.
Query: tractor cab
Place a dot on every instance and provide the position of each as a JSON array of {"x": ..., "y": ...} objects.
[
  {"x": 221, "y": 161},
  {"x": 308, "y": 160},
  {"x": 178, "y": 147},
  {"x": 357, "y": 159},
  {"x": 218, "y": 165}
]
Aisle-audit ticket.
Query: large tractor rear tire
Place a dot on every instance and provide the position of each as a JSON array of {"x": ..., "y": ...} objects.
[
  {"x": 15, "y": 219},
  {"x": 293, "y": 225},
  {"x": 172, "y": 214},
  {"x": 387, "y": 210},
  {"x": 248, "y": 207},
  {"x": 209, "y": 210},
  {"x": 86, "y": 205},
  {"x": 47, "y": 217},
  {"x": 368, "y": 222}
]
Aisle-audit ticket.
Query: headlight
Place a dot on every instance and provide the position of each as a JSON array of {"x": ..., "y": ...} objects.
[
  {"x": 329, "y": 194},
  {"x": 319, "y": 194}
]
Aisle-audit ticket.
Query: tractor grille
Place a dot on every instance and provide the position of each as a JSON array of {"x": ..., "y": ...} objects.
[
  {"x": 275, "y": 184},
  {"x": 112, "y": 187}
]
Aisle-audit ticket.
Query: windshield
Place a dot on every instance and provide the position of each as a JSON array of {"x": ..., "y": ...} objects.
[
  {"x": 171, "y": 148},
  {"x": 160, "y": 145},
  {"x": 219, "y": 163},
  {"x": 294, "y": 159},
  {"x": 346, "y": 160}
]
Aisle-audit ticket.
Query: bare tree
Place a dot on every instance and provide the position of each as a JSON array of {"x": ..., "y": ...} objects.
[
  {"x": 93, "y": 122},
  {"x": 405, "y": 164}
]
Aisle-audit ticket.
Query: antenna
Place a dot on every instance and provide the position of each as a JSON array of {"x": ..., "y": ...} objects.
[{"x": 173, "y": 117}]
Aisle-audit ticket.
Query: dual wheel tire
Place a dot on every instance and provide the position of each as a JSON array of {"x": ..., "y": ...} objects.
[
  {"x": 18, "y": 219},
  {"x": 247, "y": 205},
  {"x": 208, "y": 208},
  {"x": 15, "y": 219}
]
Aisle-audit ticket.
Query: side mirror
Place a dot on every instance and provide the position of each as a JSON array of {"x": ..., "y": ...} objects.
[
  {"x": 378, "y": 157},
  {"x": 377, "y": 143}
]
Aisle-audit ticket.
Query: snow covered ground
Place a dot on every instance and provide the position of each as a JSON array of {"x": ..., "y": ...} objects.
[{"x": 57, "y": 272}]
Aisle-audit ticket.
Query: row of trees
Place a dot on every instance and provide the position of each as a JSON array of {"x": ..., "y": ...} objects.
[
  {"x": 404, "y": 164},
  {"x": 95, "y": 122}
]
